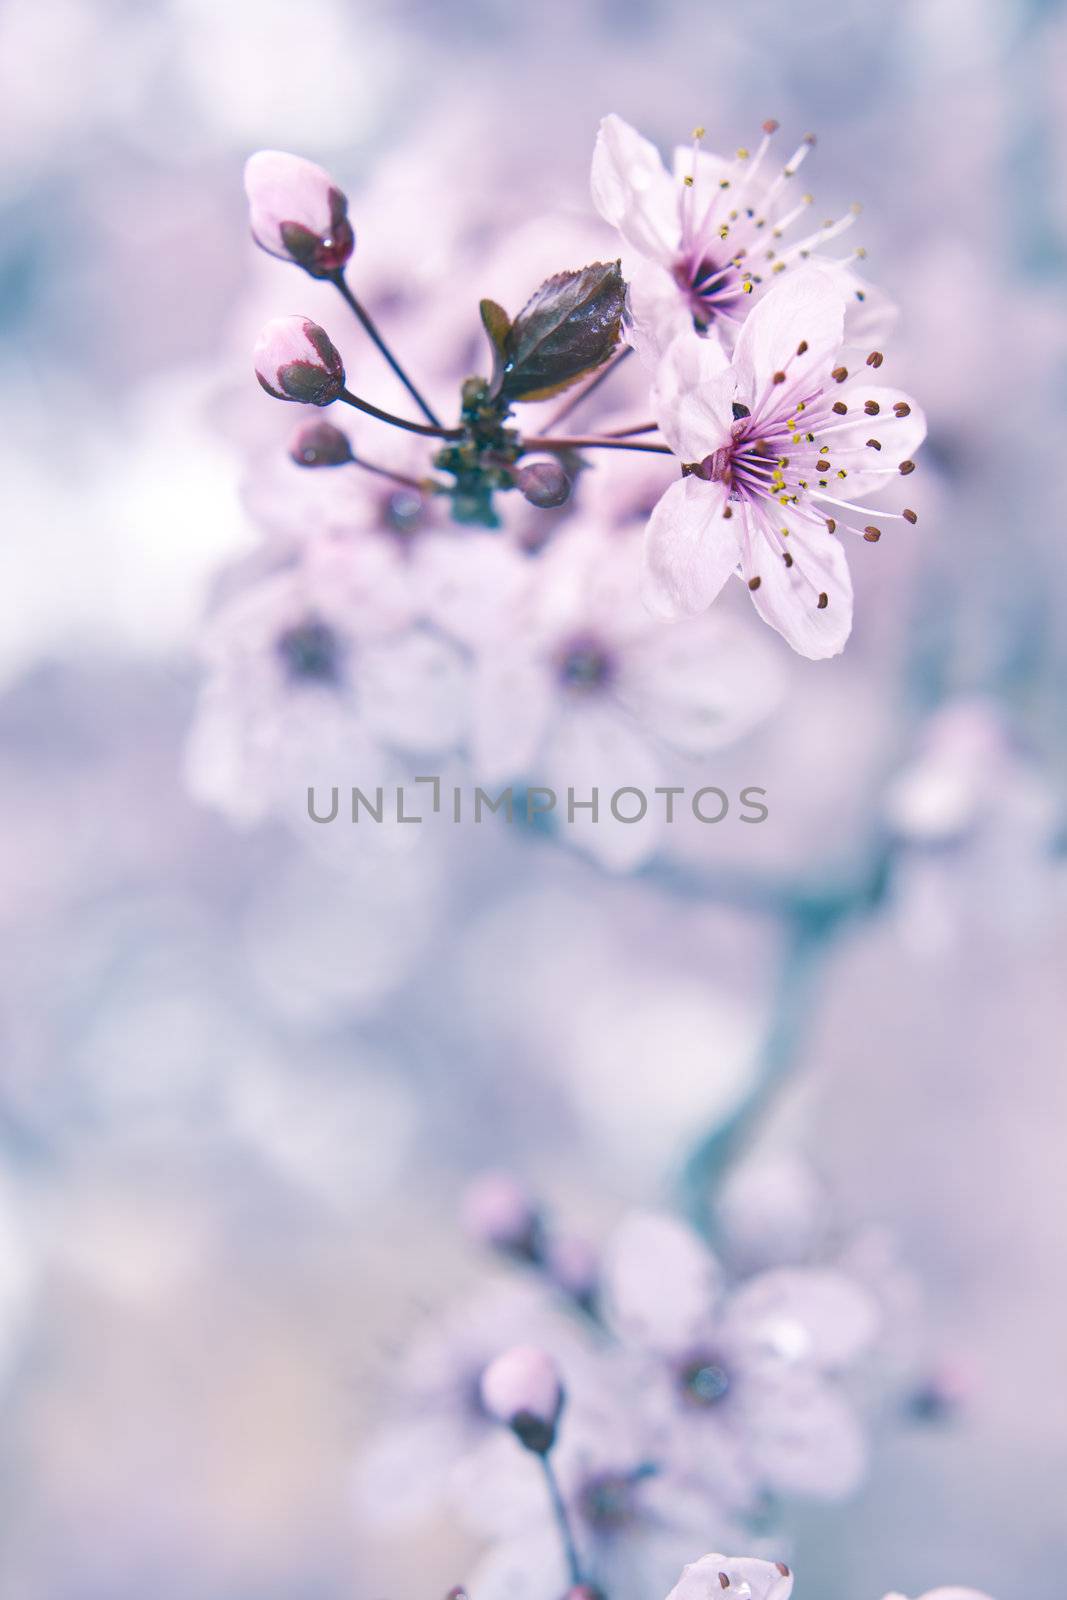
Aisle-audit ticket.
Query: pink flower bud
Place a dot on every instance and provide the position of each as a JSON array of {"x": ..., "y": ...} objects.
[
  {"x": 497, "y": 1210},
  {"x": 298, "y": 212},
  {"x": 320, "y": 444},
  {"x": 295, "y": 360},
  {"x": 522, "y": 1389},
  {"x": 544, "y": 483}
]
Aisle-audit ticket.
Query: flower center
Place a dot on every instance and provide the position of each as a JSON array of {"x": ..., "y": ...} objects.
[
  {"x": 584, "y": 665},
  {"x": 609, "y": 1501},
  {"x": 310, "y": 652},
  {"x": 704, "y": 282},
  {"x": 703, "y": 1380}
]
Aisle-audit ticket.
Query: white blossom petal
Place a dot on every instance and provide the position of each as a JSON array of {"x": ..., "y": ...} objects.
[
  {"x": 818, "y": 1317},
  {"x": 805, "y": 308},
  {"x": 660, "y": 1283},
  {"x": 788, "y": 596},
  {"x": 746, "y": 1576},
  {"x": 633, "y": 190},
  {"x": 691, "y": 549}
]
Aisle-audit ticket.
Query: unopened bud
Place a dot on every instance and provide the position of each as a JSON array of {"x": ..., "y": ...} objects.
[
  {"x": 544, "y": 483},
  {"x": 298, "y": 212},
  {"x": 320, "y": 444},
  {"x": 496, "y": 1210},
  {"x": 522, "y": 1389},
  {"x": 295, "y": 360}
]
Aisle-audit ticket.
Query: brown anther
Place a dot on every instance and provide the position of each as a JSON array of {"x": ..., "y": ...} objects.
[
  {"x": 779, "y": 377},
  {"x": 871, "y": 407},
  {"x": 875, "y": 358},
  {"x": 839, "y": 374},
  {"x": 872, "y": 534},
  {"x": 770, "y": 126},
  {"x": 902, "y": 409},
  {"x": 831, "y": 525},
  {"x": 840, "y": 407},
  {"x": 727, "y": 513},
  {"x": 906, "y": 467},
  {"x": 824, "y": 601},
  {"x": 873, "y": 444},
  {"x": 809, "y": 138},
  {"x": 782, "y": 1568},
  {"x": 724, "y": 1582},
  {"x": 822, "y": 466},
  {"x": 787, "y": 558},
  {"x": 753, "y": 584},
  {"x": 802, "y": 347},
  {"x": 910, "y": 516}
]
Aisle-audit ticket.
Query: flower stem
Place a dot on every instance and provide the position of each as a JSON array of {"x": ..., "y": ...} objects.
[
  {"x": 341, "y": 282},
  {"x": 595, "y": 442},
  {"x": 395, "y": 477},
  {"x": 435, "y": 432},
  {"x": 575, "y": 399},
  {"x": 559, "y": 1511},
  {"x": 629, "y": 433}
]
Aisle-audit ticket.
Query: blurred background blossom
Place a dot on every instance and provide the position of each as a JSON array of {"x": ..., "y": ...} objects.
[{"x": 249, "y": 1069}]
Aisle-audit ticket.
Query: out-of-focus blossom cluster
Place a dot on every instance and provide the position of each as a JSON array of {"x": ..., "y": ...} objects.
[
  {"x": 529, "y": 600},
  {"x": 670, "y": 1396}
]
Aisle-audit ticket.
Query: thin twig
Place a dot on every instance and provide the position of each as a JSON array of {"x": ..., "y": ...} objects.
[
  {"x": 341, "y": 282},
  {"x": 563, "y": 1523},
  {"x": 436, "y": 432},
  {"x": 594, "y": 442}
]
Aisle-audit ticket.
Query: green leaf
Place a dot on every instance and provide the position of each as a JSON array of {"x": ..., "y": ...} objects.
[
  {"x": 567, "y": 328},
  {"x": 497, "y": 325}
]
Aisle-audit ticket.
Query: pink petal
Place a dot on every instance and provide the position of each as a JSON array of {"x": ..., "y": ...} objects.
[
  {"x": 660, "y": 1283},
  {"x": 690, "y": 549},
  {"x": 692, "y": 397},
  {"x": 788, "y": 596},
  {"x": 809, "y": 1315},
  {"x": 806, "y": 307},
  {"x": 633, "y": 190}
]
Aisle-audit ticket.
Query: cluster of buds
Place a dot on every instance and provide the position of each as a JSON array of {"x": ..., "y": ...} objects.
[
  {"x": 773, "y": 432},
  {"x": 499, "y": 1212}
]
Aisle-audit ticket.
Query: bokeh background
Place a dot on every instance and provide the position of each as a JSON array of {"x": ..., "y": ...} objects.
[{"x": 243, "y": 1080}]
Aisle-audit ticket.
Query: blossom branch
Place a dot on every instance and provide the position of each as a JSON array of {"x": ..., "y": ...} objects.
[{"x": 595, "y": 442}]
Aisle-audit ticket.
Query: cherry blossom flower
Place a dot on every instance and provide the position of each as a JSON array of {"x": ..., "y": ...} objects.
[
  {"x": 295, "y": 360},
  {"x": 734, "y": 1578},
  {"x": 745, "y": 1377},
  {"x": 315, "y": 675},
  {"x": 708, "y": 235},
  {"x": 582, "y": 689},
  {"x": 297, "y": 212},
  {"x": 779, "y": 448},
  {"x": 634, "y": 1518},
  {"x": 444, "y": 1444}
]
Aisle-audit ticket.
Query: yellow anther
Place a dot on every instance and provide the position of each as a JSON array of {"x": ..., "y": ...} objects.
[
  {"x": 779, "y": 266},
  {"x": 742, "y": 154},
  {"x": 698, "y": 133},
  {"x": 688, "y": 180}
]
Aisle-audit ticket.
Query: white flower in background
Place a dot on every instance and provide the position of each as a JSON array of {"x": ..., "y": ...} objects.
[
  {"x": 779, "y": 447},
  {"x": 583, "y": 689},
  {"x": 314, "y": 676},
  {"x": 716, "y": 1577},
  {"x": 634, "y": 1518},
  {"x": 709, "y": 235},
  {"x": 444, "y": 1444},
  {"x": 743, "y": 1379}
]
